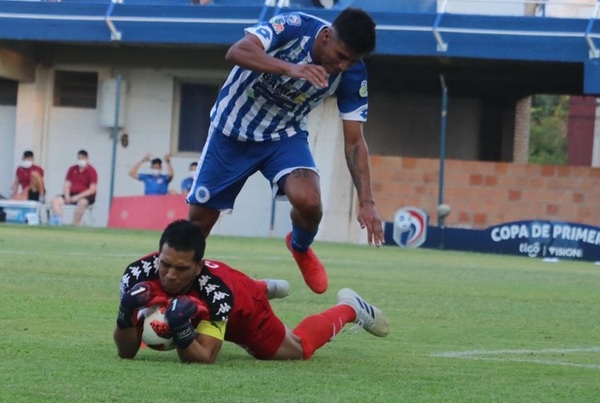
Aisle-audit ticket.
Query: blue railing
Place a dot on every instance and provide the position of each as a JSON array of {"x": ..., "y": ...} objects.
[{"x": 136, "y": 20}]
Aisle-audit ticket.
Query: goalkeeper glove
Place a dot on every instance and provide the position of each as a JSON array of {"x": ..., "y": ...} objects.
[
  {"x": 178, "y": 315},
  {"x": 138, "y": 296}
]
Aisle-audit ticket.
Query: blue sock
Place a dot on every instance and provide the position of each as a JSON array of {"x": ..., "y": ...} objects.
[{"x": 301, "y": 239}]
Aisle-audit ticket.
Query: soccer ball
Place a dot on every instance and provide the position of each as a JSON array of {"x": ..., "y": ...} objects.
[{"x": 156, "y": 333}]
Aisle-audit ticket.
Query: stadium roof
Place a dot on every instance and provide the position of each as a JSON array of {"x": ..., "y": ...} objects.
[{"x": 414, "y": 30}]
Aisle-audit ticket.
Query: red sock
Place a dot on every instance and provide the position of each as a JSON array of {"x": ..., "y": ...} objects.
[
  {"x": 316, "y": 330},
  {"x": 262, "y": 285}
]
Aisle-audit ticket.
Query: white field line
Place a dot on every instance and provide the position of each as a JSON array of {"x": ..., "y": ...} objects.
[{"x": 496, "y": 355}]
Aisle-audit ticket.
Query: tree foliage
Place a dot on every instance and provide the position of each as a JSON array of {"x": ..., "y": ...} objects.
[{"x": 548, "y": 140}]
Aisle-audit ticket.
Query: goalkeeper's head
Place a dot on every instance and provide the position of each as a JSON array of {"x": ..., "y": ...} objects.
[{"x": 184, "y": 236}]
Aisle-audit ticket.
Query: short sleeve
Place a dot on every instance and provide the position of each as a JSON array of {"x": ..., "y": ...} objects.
[
  {"x": 279, "y": 30},
  {"x": 352, "y": 94}
]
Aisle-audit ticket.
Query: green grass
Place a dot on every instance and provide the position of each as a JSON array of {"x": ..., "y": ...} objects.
[{"x": 529, "y": 330}]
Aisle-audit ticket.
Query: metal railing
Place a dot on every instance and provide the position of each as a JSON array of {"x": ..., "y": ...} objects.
[{"x": 444, "y": 8}]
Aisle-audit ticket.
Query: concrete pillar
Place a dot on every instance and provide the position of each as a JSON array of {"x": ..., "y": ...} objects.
[
  {"x": 596, "y": 143},
  {"x": 522, "y": 130},
  {"x": 34, "y": 101}
]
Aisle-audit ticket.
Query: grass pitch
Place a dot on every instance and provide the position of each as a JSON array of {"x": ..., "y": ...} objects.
[{"x": 464, "y": 327}]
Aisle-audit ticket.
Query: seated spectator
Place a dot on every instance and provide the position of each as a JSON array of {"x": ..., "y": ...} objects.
[
  {"x": 155, "y": 183},
  {"x": 186, "y": 184},
  {"x": 29, "y": 180},
  {"x": 79, "y": 189}
]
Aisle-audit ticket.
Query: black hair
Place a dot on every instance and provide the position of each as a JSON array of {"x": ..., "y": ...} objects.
[
  {"x": 183, "y": 236},
  {"x": 356, "y": 29},
  {"x": 28, "y": 154},
  {"x": 83, "y": 153},
  {"x": 156, "y": 161},
  {"x": 193, "y": 164}
]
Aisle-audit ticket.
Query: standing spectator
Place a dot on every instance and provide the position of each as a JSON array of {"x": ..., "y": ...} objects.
[
  {"x": 155, "y": 183},
  {"x": 29, "y": 180},
  {"x": 79, "y": 190},
  {"x": 187, "y": 183}
]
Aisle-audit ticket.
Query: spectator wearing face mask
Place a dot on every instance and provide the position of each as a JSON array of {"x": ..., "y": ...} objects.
[
  {"x": 186, "y": 184},
  {"x": 79, "y": 189},
  {"x": 29, "y": 180},
  {"x": 155, "y": 182}
]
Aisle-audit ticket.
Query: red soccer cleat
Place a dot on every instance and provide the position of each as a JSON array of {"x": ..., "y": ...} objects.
[{"x": 312, "y": 269}]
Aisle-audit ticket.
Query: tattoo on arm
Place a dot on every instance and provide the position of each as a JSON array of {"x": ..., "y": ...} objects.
[{"x": 352, "y": 160}]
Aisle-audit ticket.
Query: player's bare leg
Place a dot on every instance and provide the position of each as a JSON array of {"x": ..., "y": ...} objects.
[
  {"x": 203, "y": 217},
  {"x": 302, "y": 188}
]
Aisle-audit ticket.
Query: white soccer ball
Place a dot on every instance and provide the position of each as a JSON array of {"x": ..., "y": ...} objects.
[{"x": 156, "y": 332}]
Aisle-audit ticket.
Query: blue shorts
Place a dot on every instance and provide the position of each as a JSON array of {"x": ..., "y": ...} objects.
[{"x": 226, "y": 164}]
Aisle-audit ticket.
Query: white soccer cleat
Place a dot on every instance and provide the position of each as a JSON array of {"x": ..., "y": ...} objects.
[
  {"x": 369, "y": 317},
  {"x": 277, "y": 288}
]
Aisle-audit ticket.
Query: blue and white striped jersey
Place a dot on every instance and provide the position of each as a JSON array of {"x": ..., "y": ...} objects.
[{"x": 255, "y": 106}]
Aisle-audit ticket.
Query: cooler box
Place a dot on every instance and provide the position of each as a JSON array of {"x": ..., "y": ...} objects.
[{"x": 21, "y": 211}]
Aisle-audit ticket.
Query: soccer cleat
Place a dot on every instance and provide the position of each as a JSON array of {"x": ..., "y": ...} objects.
[
  {"x": 277, "y": 288},
  {"x": 312, "y": 269},
  {"x": 368, "y": 316}
]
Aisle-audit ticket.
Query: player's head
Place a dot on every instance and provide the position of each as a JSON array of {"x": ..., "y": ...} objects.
[
  {"x": 28, "y": 155},
  {"x": 184, "y": 236},
  {"x": 350, "y": 37},
  {"x": 181, "y": 249},
  {"x": 356, "y": 29}
]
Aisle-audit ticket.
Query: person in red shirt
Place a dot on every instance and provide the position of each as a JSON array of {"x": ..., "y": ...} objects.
[
  {"x": 209, "y": 302},
  {"x": 29, "y": 180},
  {"x": 79, "y": 189}
]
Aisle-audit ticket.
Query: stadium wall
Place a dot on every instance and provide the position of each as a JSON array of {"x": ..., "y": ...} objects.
[{"x": 482, "y": 194}]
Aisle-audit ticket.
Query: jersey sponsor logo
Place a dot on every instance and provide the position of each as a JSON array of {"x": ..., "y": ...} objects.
[
  {"x": 301, "y": 98},
  {"x": 294, "y": 19},
  {"x": 278, "y": 24},
  {"x": 363, "y": 91},
  {"x": 278, "y": 92}
]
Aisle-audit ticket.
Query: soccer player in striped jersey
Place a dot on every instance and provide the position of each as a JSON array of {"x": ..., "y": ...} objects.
[{"x": 284, "y": 68}]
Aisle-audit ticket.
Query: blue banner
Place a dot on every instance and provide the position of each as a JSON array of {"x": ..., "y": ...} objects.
[{"x": 534, "y": 238}]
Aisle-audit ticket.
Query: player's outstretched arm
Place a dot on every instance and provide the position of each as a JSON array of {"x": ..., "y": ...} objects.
[
  {"x": 191, "y": 347},
  {"x": 357, "y": 159}
]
